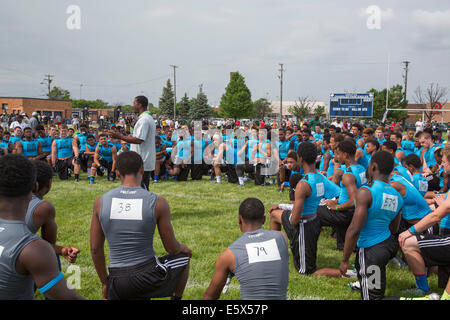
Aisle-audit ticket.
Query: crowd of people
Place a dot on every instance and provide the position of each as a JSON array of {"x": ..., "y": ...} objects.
[{"x": 383, "y": 192}]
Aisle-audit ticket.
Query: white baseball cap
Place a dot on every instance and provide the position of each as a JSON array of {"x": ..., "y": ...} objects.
[{"x": 34, "y": 113}]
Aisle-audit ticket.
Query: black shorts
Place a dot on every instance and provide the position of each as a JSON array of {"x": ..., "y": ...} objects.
[
  {"x": 435, "y": 251},
  {"x": 62, "y": 166},
  {"x": 340, "y": 220},
  {"x": 303, "y": 241},
  {"x": 155, "y": 278},
  {"x": 370, "y": 264}
]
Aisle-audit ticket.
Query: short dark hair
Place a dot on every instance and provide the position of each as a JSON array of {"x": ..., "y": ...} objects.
[
  {"x": 90, "y": 136},
  {"x": 398, "y": 135},
  {"x": 347, "y": 146},
  {"x": 39, "y": 127},
  {"x": 293, "y": 181},
  {"x": 385, "y": 162},
  {"x": 292, "y": 155},
  {"x": 252, "y": 210},
  {"x": 129, "y": 162},
  {"x": 375, "y": 143},
  {"x": 308, "y": 152},
  {"x": 391, "y": 145},
  {"x": 17, "y": 176},
  {"x": 44, "y": 173},
  {"x": 142, "y": 100},
  {"x": 413, "y": 160}
]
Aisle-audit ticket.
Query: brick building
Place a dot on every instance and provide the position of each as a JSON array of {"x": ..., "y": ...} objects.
[{"x": 47, "y": 107}]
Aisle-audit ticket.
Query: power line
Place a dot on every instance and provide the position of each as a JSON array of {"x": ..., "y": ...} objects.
[{"x": 48, "y": 78}]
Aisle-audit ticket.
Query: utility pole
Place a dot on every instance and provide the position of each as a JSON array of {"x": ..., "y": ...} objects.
[
  {"x": 48, "y": 79},
  {"x": 174, "y": 91},
  {"x": 281, "y": 92},
  {"x": 406, "y": 77},
  {"x": 80, "y": 90}
]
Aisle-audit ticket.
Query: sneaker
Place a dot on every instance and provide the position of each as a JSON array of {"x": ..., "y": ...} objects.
[
  {"x": 351, "y": 274},
  {"x": 415, "y": 292},
  {"x": 431, "y": 296},
  {"x": 155, "y": 181},
  {"x": 246, "y": 179},
  {"x": 355, "y": 286},
  {"x": 76, "y": 180}
]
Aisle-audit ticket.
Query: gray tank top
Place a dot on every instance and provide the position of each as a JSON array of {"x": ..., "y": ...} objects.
[
  {"x": 127, "y": 217},
  {"x": 35, "y": 201},
  {"x": 14, "y": 236},
  {"x": 262, "y": 265}
]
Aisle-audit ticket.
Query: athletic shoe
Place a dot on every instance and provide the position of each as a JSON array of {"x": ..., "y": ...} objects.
[
  {"x": 155, "y": 181},
  {"x": 76, "y": 180},
  {"x": 356, "y": 286},
  {"x": 351, "y": 274},
  {"x": 246, "y": 179},
  {"x": 415, "y": 292},
  {"x": 431, "y": 296}
]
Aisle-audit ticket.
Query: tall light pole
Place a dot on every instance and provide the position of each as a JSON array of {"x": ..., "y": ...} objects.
[
  {"x": 406, "y": 77},
  {"x": 174, "y": 91},
  {"x": 80, "y": 90},
  {"x": 281, "y": 92}
]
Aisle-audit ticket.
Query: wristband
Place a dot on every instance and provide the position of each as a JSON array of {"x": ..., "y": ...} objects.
[
  {"x": 52, "y": 283},
  {"x": 412, "y": 230},
  {"x": 285, "y": 206}
]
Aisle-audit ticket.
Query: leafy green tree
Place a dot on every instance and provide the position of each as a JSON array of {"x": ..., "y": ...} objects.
[
  {"x": 58, "y": 93},
  {"x": 93, "y": 104},
  {"x": 236, "y": 102},
  {"x": 396, "y": 101},
  {"x": 199, "y": 108},
  {"x": 183, "y": 107},
  {"x": 261, "y": 108},
  {"x": 302, "y": 108},
  {"x": 166, "y": 101},
  {"x": 319, "y": 111}
]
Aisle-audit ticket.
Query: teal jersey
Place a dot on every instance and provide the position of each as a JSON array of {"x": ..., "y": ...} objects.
[
  {"x": 414, "y": 204},
  {"x": 106, "y": 152},
  {"x": 30, "y": 148},
  {"x": 445, "y": 222},
  {"x": 359, "y": 173},
  {"x": 46, "y": 143},
  {"x": 317, "y": 183},
  {"x": 386, "y": 204},
  {"x": 83, "y": 140},
  {"x": 64, "y": 147},
  {"x": 421, "y": 183}
]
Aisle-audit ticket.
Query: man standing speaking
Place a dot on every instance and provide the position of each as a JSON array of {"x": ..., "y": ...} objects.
[{"x": 143, "y": 138}]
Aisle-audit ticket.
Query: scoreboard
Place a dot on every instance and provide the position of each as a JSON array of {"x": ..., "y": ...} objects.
[{"x": 352, "y": 105}]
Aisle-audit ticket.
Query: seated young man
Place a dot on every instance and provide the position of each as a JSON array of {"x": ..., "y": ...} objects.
[
  {"x": 301, "y": 224},
  {"x": 127, "y": 217},
  {"x": 259, "y": 259},
  {"x": 105, "y": 159},
  {"x": 424, "y": 250},
  {"x": 25, "y": 259},
  {"x": 161, "y": 156}
]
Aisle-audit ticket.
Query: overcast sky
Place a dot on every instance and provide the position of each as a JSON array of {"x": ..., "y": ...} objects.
[{"x": 124, "y": 48}]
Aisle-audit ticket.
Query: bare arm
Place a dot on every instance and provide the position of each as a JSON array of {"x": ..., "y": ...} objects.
[
  {"x": 97, "y": 242},
  {"x": 225, "y": 264},
  {"x": 302, "y": 191}
]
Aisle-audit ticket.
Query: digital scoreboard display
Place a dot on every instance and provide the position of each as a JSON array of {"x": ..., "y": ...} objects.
[{"x": 353, "y": 105}]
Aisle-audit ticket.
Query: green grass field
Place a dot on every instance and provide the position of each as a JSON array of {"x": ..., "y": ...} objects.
[{"x": 204, "y": 216}]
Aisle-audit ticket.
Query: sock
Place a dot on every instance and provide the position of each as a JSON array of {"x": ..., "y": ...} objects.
[
  {"x": 445, "y": 296},
  {"x": 77, "y": 176},
  {"x": 241, "y": 181},
  {"x": 219, "y": 179},
  {"x": 156, "y": 177},
  {"x": 422, "y": 282}
]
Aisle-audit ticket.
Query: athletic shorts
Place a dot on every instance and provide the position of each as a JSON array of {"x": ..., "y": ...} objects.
[
  {"x": 62, "y": 166},
  {"x": 303, "y": 241},
  {"x": 435, "y": 251},
  {"x": 155, "y": 278},
  {"x": 370, "y": 264}
]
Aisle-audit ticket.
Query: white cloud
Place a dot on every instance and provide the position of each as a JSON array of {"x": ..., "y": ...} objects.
[{"x": 432, "y": 19}]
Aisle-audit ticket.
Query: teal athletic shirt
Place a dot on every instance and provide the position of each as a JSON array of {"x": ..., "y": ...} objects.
[
  {"x": 445, "y": 222},
  {"x": 408, "y": 147},
  {"x": 364, "y": 160},
  {"x": 29, "y": 148},
  {"x": 46, "y": 143},
  {"x": 106, "y": 152},
  {"x": 283, "y": 148},
  {"x": 386, "y": 203},
  {"x": 64, "y": 147},
  {"x": 414, "y": 204},
  {"x": 83, "y": 140},
  {"x": 421, "y": 183},
  {"x": 403, "y": 171},
  {"x": 317, "y": 184},
  {"x": 359, "y": 172}
]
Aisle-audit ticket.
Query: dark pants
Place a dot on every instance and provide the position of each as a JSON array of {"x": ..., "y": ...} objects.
[
  {"x": 146, "y": 180},
  {"x": 340, "y": 220}
]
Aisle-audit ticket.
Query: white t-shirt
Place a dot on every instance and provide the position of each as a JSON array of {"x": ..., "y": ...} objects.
[
  {"x": 145, "y": 129},
  {"x": 419, "y": 126}
]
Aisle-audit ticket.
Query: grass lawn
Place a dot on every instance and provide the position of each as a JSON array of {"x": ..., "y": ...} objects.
[{"x": 204, "y": 217}]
